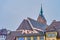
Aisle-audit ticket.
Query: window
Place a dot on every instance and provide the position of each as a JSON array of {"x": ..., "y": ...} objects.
[
  {"x": 28, "y": 38},
  {"x": 35, "y": 38},
  {"x": 51, "y": 35},
  {"x": 42, "y": 38},
  {"x": 21, "y": 38}
]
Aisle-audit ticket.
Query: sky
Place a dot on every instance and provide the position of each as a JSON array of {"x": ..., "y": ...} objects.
[{"x": 13, "y": 12}]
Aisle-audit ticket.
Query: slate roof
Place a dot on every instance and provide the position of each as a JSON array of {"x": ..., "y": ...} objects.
[
  {"x": 37, "y": 24},
  {"x": 24, "y": 25},
  {"x": 55, "y": 26}
]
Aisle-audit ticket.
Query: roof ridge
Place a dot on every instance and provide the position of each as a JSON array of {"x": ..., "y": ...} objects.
[
  {"x": 34, "y": 20},
  {"x": 30, "y": 23},
  {"x": 33, "y": 27}
]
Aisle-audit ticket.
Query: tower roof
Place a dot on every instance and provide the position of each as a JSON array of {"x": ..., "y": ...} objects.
[
  {"x": 41, "y": 10},
  {"x": 41, "y": 13},
  {"x": 41, "y": 17}
]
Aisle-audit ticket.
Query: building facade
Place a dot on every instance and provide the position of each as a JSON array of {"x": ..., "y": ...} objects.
[{"x": 31, "y": 29}]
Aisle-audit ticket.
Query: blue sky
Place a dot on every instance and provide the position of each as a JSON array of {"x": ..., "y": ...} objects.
[{"x": 12, "y": 12}]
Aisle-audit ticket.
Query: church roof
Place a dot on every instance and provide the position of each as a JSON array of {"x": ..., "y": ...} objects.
[
  {"x": 41, "y": 13},
  {"x": 37, "y": 24},
  {"x": 41, "y": 17},
  {"x": 29, "y": 24}
]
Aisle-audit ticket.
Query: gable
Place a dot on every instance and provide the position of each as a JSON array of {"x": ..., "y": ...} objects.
[{"x": 24, "y": 25}]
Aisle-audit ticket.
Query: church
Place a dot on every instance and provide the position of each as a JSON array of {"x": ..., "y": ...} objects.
[{"x": 31, "y": 29}]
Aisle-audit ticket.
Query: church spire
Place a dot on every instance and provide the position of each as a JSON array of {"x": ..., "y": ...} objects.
[
  {"x": 41, "y": 11},
  {"x": 41, "y": 17}
]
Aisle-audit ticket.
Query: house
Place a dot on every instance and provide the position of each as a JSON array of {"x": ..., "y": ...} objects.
[
  {"x": 3, "y": 33},
  {"x": 53, "y": 31},
  {"x": 30, "y": 29}
]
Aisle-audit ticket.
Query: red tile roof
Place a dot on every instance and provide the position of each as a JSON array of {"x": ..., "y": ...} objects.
[{"x": 55, "y": 26}]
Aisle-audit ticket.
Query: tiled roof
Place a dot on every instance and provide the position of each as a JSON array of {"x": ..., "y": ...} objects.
[
  {"x": 55, "y": 26},
  {"x": 37, "y": 24},
  {"x": 28, "y": 23},
  {"x": 24, "y": 25}
]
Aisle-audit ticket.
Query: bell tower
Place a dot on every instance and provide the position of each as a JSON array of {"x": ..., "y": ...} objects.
[{"x": 41, "y": 17}]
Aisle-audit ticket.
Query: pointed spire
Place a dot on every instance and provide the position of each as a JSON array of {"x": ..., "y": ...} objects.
[
  {"x": 41, "y": 17},
  {"x": 41, "y": 11}
]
